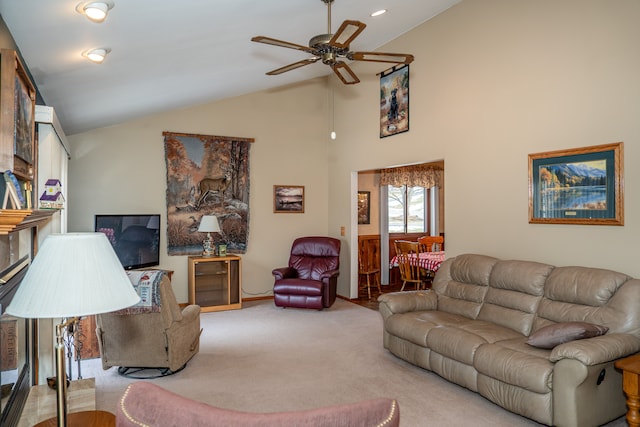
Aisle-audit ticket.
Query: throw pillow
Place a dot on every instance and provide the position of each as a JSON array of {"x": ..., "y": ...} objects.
[{"x": 560, "y": 333}]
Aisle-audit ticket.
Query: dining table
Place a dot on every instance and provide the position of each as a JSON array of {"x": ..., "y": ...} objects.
[{"x": 427, "y": 260}]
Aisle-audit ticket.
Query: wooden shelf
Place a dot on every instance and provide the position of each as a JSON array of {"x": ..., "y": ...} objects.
[{"x": 17, "y": 219}]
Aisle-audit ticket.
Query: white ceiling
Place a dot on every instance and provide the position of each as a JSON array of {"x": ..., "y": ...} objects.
[{"x": 169, "y": 54}]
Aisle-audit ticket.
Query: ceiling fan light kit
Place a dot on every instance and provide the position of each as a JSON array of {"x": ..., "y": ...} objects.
[{"x": 331, "y": 49}]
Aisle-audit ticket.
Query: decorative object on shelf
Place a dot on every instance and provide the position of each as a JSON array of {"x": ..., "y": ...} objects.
[
  {"x": 72, "y": 275},
  {"x": 394, "y": 101},
  {"x": 52, "y": 197},
  {"x": 288, "y": 198},
  {"x": 577, "y": 186},
  {"x": 13, "y": 192},
  {"x": 222, "y": 249},
  {"x": 206, "y": 175},
  {"x": 209, "y": 224},
  {"x": 28, "y": 194},
  {"x": 364, "y": 208}
]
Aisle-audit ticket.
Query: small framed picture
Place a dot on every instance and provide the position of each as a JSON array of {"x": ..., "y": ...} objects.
[
  {"x": 577, "y": 186},
  {"x": 222, "y": 249},
  {"x": 288, "y": 198},
  {"x": 364, "y": 208}
]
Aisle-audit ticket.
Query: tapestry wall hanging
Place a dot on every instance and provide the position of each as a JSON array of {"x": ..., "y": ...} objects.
[
  {"x": 206, "y": 175},
  {"x": 394, "y": 101}
]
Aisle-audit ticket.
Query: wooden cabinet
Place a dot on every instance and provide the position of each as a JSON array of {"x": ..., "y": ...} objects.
[{"x": 215, "y": 283}]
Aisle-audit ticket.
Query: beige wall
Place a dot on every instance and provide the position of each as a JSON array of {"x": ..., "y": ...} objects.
[
  {"x": 121, "y": 169},
  {"x": 370, "y": 181},
  {"x": 493, "y": 81}
]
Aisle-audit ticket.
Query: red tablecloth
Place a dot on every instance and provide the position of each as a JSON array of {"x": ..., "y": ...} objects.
[{"x": 427, "y": 260}]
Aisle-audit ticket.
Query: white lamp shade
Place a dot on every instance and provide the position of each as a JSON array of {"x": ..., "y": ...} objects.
[
  {"x": 74, "y": 274},
  {"x": 209, "y": 224}
]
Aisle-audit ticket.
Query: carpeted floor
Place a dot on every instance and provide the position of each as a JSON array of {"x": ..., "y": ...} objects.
[{"x": 263, "y": 359}]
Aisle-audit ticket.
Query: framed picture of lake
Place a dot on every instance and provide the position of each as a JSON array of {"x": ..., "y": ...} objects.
[
  {"x": 288, "y": 198},
  {"x": 577, "y": 186}
]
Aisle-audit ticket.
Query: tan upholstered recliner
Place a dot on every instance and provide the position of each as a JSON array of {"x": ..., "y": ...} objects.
[{"x": 165, "y": 339}]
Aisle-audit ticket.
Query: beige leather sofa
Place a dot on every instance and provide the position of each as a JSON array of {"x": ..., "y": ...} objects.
[{"x": 472, "y": 328}]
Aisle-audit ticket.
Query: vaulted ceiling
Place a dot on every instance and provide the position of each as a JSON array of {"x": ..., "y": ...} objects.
[{"x": 168, "y": 54}]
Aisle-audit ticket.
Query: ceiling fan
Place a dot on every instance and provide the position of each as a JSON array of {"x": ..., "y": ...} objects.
[{"x": 331, "y": 49}]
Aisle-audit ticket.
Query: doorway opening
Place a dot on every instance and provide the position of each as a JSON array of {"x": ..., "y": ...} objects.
[{"x": 382, "y": 213}]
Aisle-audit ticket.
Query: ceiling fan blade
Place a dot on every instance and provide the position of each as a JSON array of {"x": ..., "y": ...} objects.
[
  {"x": 281, "y": 43},
  {"x": 293, "y": 66},
  {"x": 348, "y": 31},
  {"x": 394, "y": 58},
  {"x": 345, "y": 73}
]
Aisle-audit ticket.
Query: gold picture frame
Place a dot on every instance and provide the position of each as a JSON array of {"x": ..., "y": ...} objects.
[
  {"x": 577, "y": 186},
  {"x": 288, "y": 198}
]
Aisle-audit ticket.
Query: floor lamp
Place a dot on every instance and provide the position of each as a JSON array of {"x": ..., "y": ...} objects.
[{"x": 72, "y": 275}]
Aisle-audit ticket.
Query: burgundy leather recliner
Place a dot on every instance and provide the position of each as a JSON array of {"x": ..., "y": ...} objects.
[{"x": 311, "y": 279}]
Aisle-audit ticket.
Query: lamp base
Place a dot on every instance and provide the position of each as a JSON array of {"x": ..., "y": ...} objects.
[{"x": 208, "y": 248}]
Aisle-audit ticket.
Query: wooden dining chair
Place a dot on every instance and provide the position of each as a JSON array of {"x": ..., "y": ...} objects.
[
  {"x": 431, "y": 243},
  {"x": 408, "y": 254},
  {"x": 369, "y": 263}
]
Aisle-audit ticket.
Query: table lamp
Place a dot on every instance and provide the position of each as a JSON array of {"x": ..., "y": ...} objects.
[
  {"x": 208, "y": 224},
  {"x": 72, "y": 275}
]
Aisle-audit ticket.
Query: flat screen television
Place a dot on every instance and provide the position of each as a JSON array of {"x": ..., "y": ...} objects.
[{"x": 135, "y": 238}]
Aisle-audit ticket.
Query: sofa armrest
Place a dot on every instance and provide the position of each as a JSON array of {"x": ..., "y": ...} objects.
[
  {"x": 190, "y": 313},
  {"x": 284, "y": 273},
  {"x": 403, "y": 302},
  {"x": 596, "y": 350},
  {"x": 329, "y": 274}
]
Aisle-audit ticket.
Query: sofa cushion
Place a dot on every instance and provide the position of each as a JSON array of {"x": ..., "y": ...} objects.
[
  {"x": 415, "y": 326},
  {"x": 462, "y": 282},
  {"x": 459, "y": 342},
  {"x": 516, "y": 363},
  {"x": 298, "y": 287},
  {"x": 515, "y": 291},
  {"x": 560, "y": 333}
]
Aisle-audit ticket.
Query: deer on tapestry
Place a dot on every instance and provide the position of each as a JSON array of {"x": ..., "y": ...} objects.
[{"x": 209, "y": 186}]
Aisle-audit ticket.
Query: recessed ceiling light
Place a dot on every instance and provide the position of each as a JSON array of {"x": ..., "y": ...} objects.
[
  {"x": 96, "y": 55},
  {"x": 379, "y": 12},
  {"x": 95, "y": 11}
]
